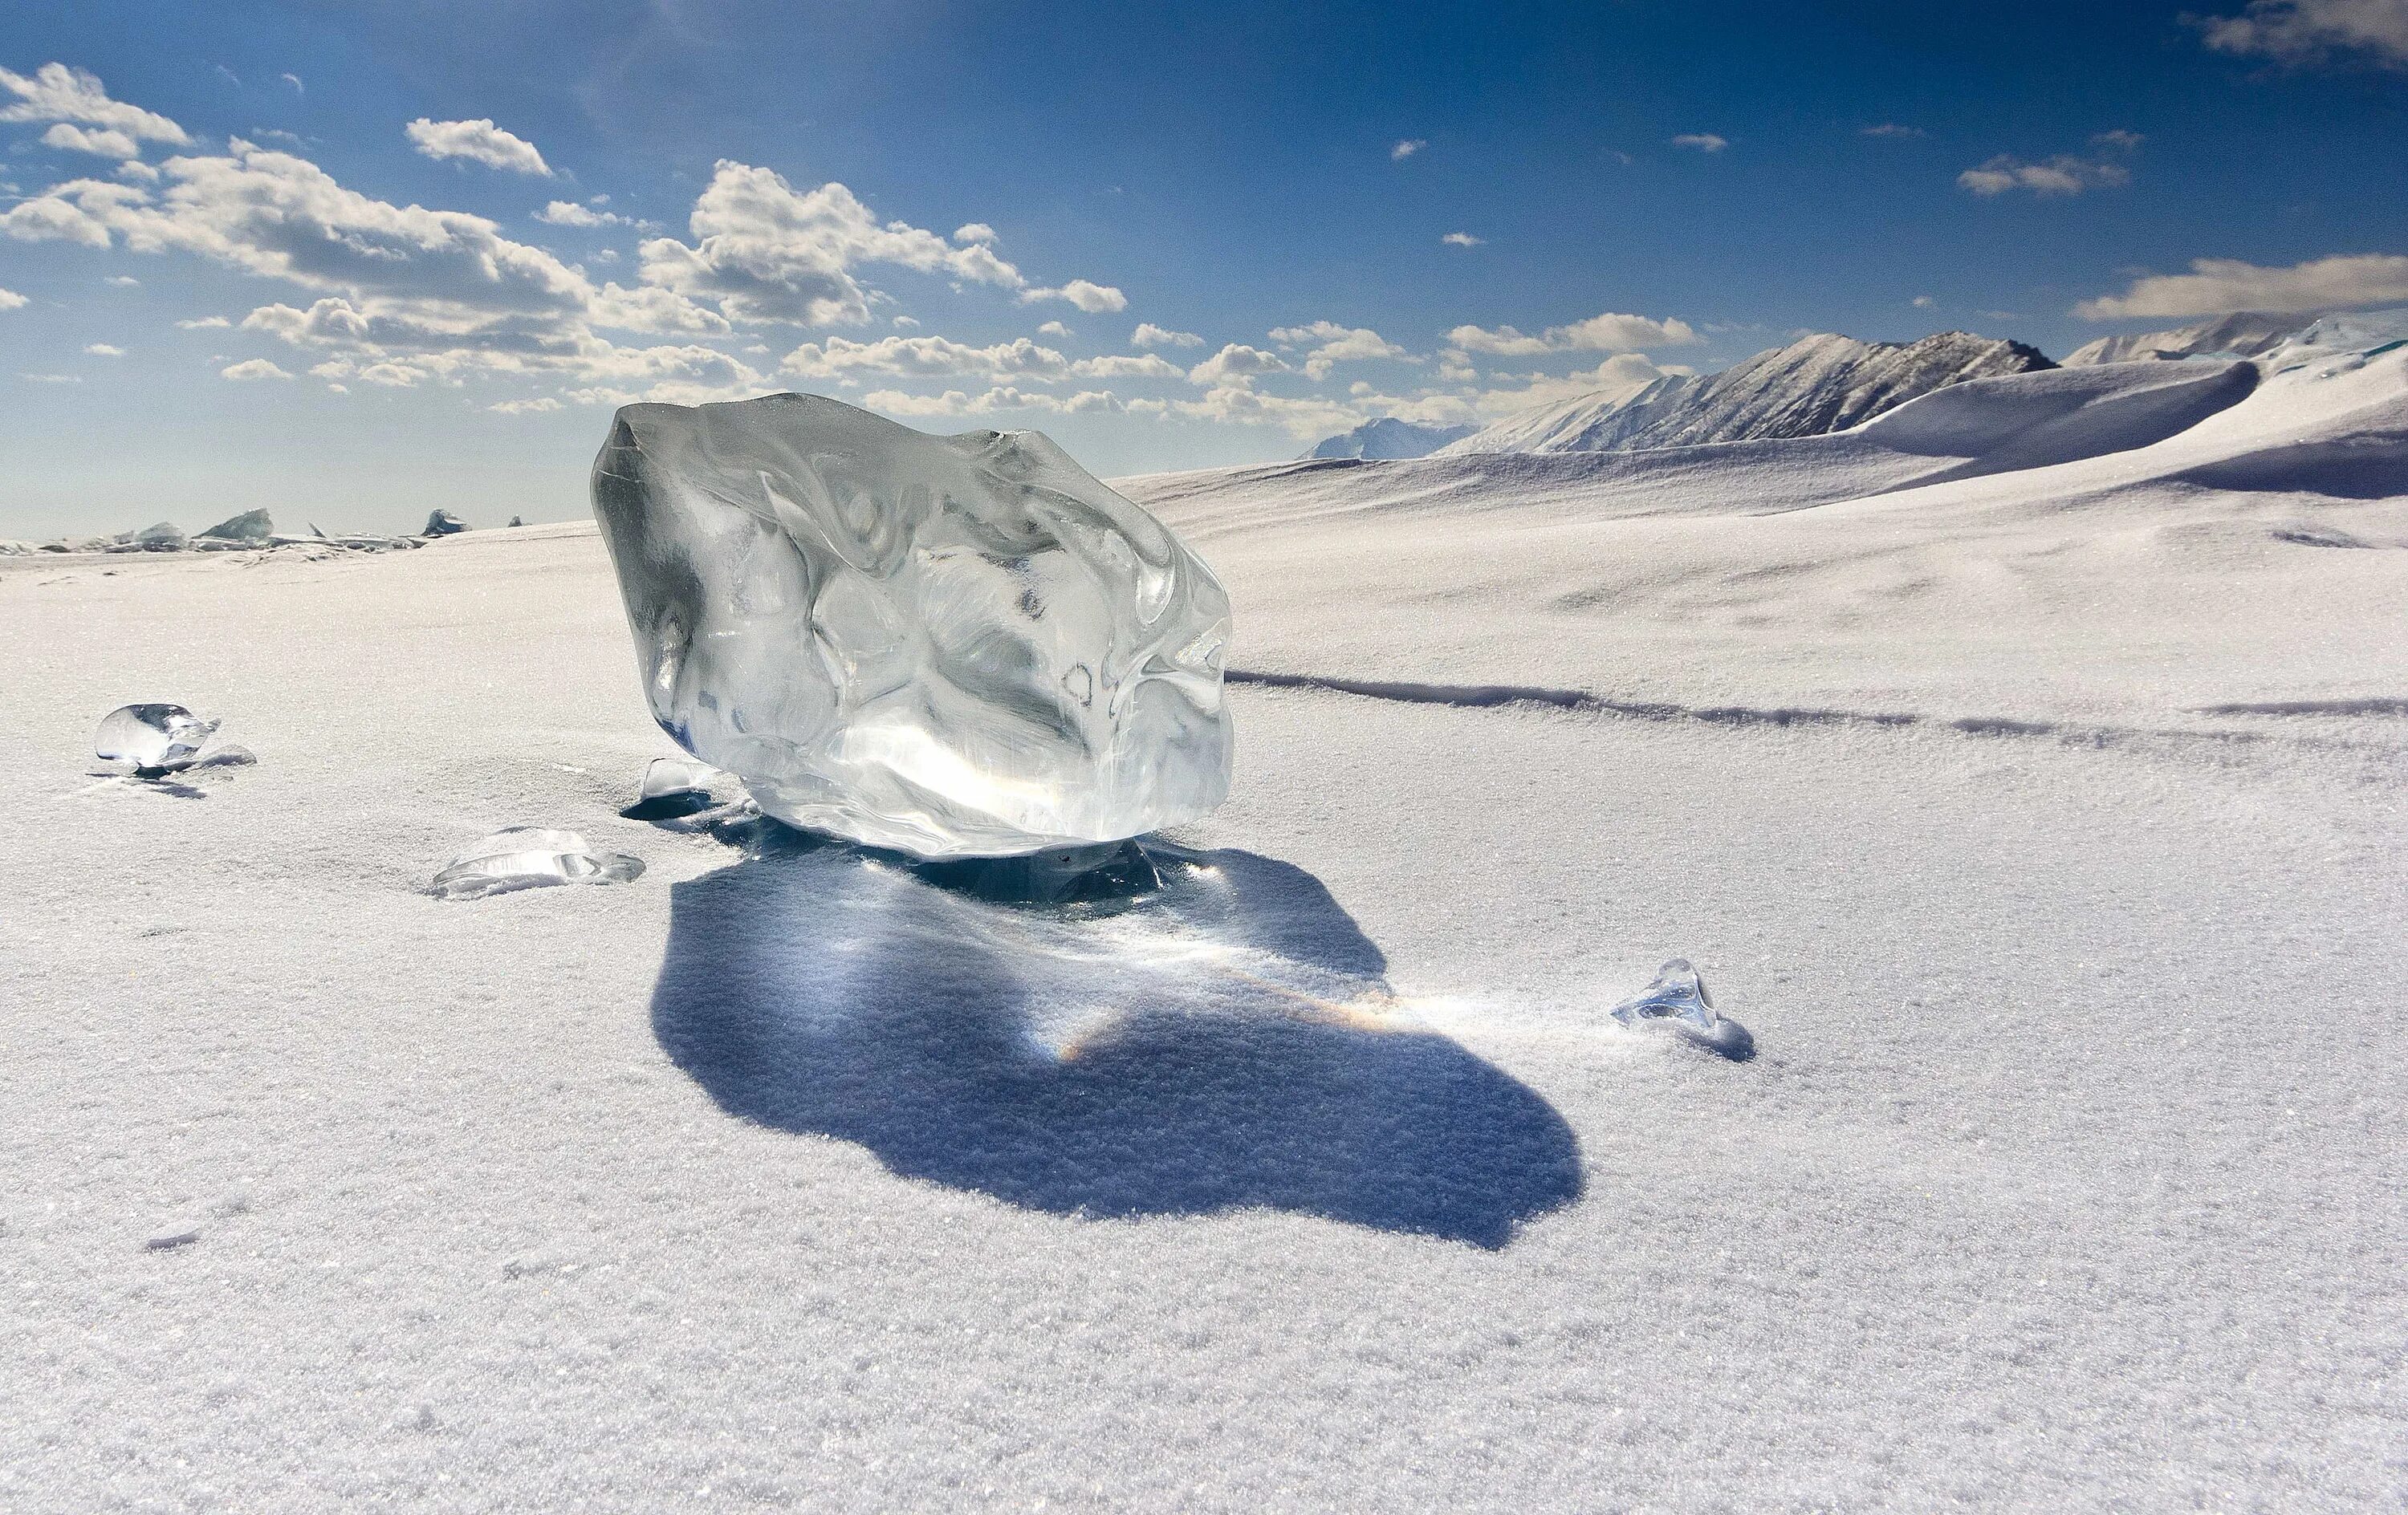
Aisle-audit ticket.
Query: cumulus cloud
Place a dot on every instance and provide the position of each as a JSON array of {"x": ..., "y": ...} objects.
[
  {"x": 1623, "y": 374},
  {"x": 1463, "y": 239},
  {"x": 570, "y": 213},
  {"x": 2300, "y": 31},
  {"x": 205, "y": 323},
  {"x": 1002, "y": 397},
  {"x": 2220, "y": 286},
  {"x": 101, "y": 142},
  {"x": 1095, "y": 299},
  {"x": 1333, "y": 344},
  {"x": 1054, "y": 328},
  {"x": 540, "y": 405},
  {"x": 11, "y": 300},
  {"x": 1701, "y": 141},
  {"x": 1608, "y": 332},
  {"x": 102, "y": 350},
  {"x": 1237, "y": 365},
  {"x": 478, "y": 141},
  {"x": 251, "y": 369},
  {"x": 925, "y": 357},
  {"x": 1406, "y": 149},
  {"x": 59, "y": 94},
  {"x": 977, "y": 230},
  {"x": 2061, "y": 175},
  {"x": 1127, "y": 365},
  {"x": 1150, "y": 334},
  {"x": 765, "y": 252},
  {"x": 1304, "y": 416}
]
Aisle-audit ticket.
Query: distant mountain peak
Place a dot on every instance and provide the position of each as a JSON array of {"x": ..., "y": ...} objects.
[
  {"x": 1824, "y": 383},
  {"x": 1386, "y": 437}
]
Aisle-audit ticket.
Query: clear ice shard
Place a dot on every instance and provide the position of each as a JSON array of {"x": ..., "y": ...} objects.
[
  {"x": 1677, "y": 995},
  {"x": 948, "y": 646},
  {"x": 669, "y": 777},
  {"x": 155, "y": 739},
  {"x": 531, "y": 857}
]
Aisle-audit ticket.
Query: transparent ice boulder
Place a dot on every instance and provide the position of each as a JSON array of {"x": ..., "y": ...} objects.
[
  {"x": 531, "y": 857},
  {"x": 155, "y": 739}
]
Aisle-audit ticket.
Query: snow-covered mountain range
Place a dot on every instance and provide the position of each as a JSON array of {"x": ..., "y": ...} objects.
[
  {"x": 1386, "y": 437},
  {"x": 2249, "y": 333},
  {"x": 1817, "y": 384}
]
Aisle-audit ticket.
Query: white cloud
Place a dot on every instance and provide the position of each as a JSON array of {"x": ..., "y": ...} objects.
[
  {"x": 1237, "y": 365},
  {"x": 205, "y": 323},
  {"x": 123, "y": 281},
  {"x": 2312, "y": 31},
  {"x": 479, "y": 141},
  {"x": 1126, "y": 365},
  {"x": 1891, "y": 128},
  {"x": 538, "y": 405},
  {"x": 102, "y": 350},
  {"x": 1406, "y": 149},
  {"x": 1054, "y": 328},
  {"x": 2061, "y": 175},
  {"x": 2119, "y": 140},
  {"x": 2219, "y": 286},
  {"x": 1095, "y": 299},
  {"x": 1150, "y": 334},
  {"x": 1463, "y": 239},
  {"x": 1623, "y": 373},
  {"x": 1334, "y": 344},
  {"x": 59, "y": 94},
  {"x": 977, "y": 230},
  {"x": 906, "y": 322},
  {"x": 1003, "y": 397},
  {"x": 1701, "y": 141},
  {"x": 765, "y": 252},
  {"x": 1922, "y": 302},
  {"x": 570, "y": 213},
  {"x": 1305, "y": 416},
  {"x": 101, "y": 142},
  {"x": 53, "y": 378},
  {"x": 925, "y": 357},
  {"x": 11, "y": 300},
  {"x": 294, "y": 80},
  {"x": 251, "y": 368},
  {"x": 1605, "y": 333}
]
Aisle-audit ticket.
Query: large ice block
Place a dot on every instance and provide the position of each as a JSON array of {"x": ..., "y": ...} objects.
[{"x": 951, "y": 646}]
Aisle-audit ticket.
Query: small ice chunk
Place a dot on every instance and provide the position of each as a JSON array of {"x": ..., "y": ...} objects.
[
  {"x": 531, "y": 857},
  {"x": 670, "y": 778},
  {"x": 167, "y": 537},
  {"x": 155, "y": 739},
  {"x": 253, "y": 527},
  {"x": 1677, "y": 995},
  {"x": 443, "y": 523}
]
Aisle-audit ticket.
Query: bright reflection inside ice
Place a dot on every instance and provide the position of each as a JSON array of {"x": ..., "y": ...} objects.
[
  {"x": 155, "y": 739},
  {"x": 1677, "y": 995},
  {"x": 531, "y": 857},
  {"x": 673, "y": 777}
]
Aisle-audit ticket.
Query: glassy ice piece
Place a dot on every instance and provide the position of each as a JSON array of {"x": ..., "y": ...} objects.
[
  {"x": 443, "y": 523},
  {"x": 155, "y": 739},
  {"x": 1677, "y": 995},
  {"x": 531, "y": 857},
  {"x": 253, "y": 526},
  {"x": 948, "y": 646},
  {"x": 666, "y": 778}
]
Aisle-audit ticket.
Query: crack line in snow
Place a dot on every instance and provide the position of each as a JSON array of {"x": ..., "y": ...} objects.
[{"x": 1489, "y": 697}]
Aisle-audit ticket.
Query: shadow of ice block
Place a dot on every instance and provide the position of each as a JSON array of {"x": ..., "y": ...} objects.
[
  {"x": 946, "y": 646},
  {"x": 1227, "y": 1041}
]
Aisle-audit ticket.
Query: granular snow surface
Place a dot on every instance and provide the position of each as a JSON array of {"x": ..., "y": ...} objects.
[{"x": 2042, "y": 827}]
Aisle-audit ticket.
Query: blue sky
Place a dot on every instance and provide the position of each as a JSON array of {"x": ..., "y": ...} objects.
[{"x": 355, "y": 261}]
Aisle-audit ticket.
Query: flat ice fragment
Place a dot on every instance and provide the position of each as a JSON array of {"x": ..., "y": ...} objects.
[
  {"x": 945, "y": 646},
  {"x": 667, "y": 778},
  {"x": 155, "y": 739},
  {"x": 1677, "y": 995},
  {"x": 531, "y": 857},
  {"x": 170, "y": 1239},
  {"x": 443, "y": 523}
]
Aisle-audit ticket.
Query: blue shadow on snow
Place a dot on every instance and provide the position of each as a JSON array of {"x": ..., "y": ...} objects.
[{"x": 1227, "y": 1042}]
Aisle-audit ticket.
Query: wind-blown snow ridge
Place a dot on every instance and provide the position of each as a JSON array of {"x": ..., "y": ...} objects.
[{"x": 1386, "y": 437}]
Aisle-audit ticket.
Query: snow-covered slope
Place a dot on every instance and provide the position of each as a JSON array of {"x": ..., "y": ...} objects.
[
  {"x": 2244, "y": 335},
  {"x": 1386, "y": 437},
  {"x": 1816, "y": 384}
]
